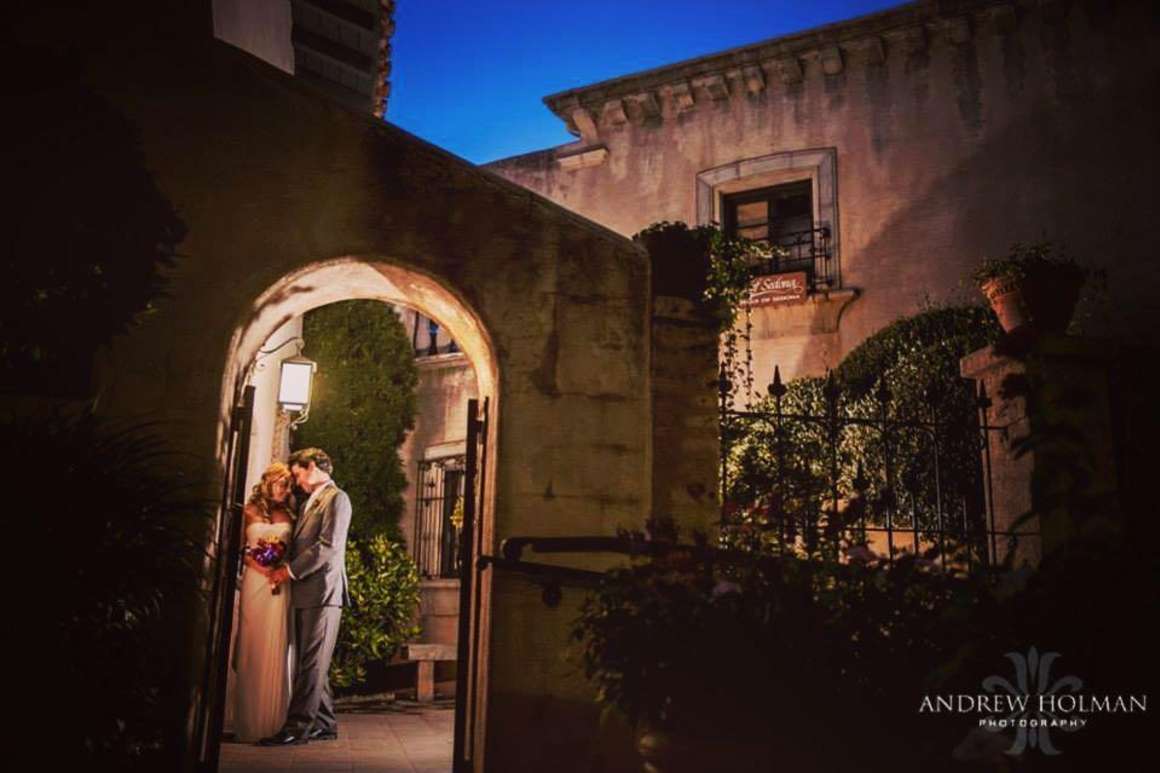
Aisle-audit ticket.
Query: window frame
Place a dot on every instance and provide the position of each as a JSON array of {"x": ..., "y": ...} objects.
[{"x": 818, "y": 166}]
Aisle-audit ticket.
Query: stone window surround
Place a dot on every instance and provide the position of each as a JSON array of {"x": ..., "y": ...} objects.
[{"x": 819, "y": 166}]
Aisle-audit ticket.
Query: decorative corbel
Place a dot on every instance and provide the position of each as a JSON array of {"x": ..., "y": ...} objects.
[
  {"x": 642, "y": 107},
  {"x": 831, "y": 57},
  {"x": 680, "y": 95},
  {"x": 712, "y": 85},
  {"x": 612, "y": 114}
]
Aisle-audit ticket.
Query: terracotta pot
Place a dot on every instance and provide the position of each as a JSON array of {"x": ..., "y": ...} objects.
[{"x": 1040, "y": 303}]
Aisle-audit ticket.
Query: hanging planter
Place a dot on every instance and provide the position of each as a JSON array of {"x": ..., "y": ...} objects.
[{"x": 1033, "y": 289}]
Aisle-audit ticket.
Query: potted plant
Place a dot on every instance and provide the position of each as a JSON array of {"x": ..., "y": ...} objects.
[{"x": 1034, "y": 288}]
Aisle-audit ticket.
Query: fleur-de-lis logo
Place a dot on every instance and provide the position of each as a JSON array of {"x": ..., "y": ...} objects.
[{"x": 1032, "y": 679}]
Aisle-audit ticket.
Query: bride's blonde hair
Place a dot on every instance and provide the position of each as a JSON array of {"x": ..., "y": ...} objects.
[{"x": 262, "y": 495}]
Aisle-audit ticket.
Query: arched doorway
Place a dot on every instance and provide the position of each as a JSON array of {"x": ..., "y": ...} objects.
[{"x": 303, "y": 291}]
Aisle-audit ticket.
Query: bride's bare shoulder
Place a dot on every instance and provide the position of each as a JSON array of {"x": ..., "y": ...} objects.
[{"x": 254, "y": 514}]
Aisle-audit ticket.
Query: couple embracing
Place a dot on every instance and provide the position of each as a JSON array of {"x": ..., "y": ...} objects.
[{"x": 292, "y": 593}]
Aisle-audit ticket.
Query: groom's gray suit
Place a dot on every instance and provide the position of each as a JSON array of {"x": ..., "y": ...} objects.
[{"x": 318, "y": 594}]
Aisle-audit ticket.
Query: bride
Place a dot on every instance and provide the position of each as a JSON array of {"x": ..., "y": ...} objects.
[{"x": 261, "y": 654}]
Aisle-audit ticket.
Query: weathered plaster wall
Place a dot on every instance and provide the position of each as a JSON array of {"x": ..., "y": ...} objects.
[
  {"x": 957, "y": 132},
  {"x": 275, "y": 183},
  {"x": 446, "y": 383}
]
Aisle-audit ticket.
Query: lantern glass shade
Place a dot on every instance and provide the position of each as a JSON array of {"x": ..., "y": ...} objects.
[{"x": 294, "y": 386}]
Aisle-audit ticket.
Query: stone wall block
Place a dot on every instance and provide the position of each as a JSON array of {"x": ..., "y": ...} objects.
[
  {"x": 958, "y": 30},
  {"x": 1056, "y": 393},
  {"x": 1003, "y": 18}
]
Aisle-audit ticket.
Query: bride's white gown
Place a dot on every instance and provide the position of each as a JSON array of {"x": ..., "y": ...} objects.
[{"x": 262, "y": 648}]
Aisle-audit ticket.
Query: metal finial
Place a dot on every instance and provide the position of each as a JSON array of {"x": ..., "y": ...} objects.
[
  {"x": 830, "y": 389},
  {"x": 860, "y": 482},
  {"x": 776, "y": 388},
  {"x": 883, "y": 393},
  {"x": 982, "y": 400}
]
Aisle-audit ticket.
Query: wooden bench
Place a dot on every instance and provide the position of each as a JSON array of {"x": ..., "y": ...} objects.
[{"x": 426, "y": 655}]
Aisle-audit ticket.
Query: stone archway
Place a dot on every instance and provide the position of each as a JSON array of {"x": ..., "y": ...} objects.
[
  {"x": 291, "y": 202},
  {"x": 354, "y": 278}
]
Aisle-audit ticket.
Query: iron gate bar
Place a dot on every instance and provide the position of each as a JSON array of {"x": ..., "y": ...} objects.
[
  {"x": 213, "y": 698},
  {"x": 462, "y": 746},
  {"x": 572, "y": 575},
  {"x": 477, "y": 585},
  {"x": 932, "y": 521},
  {"x": 511, "y": 550}
]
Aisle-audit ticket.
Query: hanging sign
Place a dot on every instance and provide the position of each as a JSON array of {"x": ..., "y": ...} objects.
[{"x": 776, "y": 288}]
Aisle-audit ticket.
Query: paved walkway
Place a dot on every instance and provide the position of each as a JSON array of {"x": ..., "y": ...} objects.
[{"x": 399, "y": 737}]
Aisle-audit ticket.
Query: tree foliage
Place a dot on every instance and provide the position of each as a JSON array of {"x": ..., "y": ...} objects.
[{"x": 362, "y": 406}]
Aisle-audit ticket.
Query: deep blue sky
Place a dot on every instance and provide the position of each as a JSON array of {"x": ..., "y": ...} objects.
[{"x": 470, "y": 76}]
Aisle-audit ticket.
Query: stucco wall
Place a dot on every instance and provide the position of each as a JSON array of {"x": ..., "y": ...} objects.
[
  {"x": 955, "y": 134},
  {"x": 273, "y": 183}
]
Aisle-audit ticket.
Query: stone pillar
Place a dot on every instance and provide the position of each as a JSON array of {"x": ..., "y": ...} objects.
[
  {"x": 1050, "y": 451},
  {"x": 684, "y": 397}
]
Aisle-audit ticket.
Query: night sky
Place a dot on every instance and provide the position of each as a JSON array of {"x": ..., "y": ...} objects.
[{"x": 470, "y": 76}]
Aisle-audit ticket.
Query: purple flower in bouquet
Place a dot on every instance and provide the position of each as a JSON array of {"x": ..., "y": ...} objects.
[{"x": 268, "y": 553}]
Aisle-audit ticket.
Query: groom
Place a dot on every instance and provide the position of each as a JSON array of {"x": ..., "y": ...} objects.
[{"x": 317, "y": 568}]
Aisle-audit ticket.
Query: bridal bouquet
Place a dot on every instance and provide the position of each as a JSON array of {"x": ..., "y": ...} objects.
[{"x": 268, "y": 553}]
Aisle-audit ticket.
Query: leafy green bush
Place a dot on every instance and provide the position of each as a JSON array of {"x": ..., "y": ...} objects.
[
  {"x": 111, "y": 546},
  {"x": 362, "y": 406},
  {"x": 384, "y": 589},
  {"x": 703, "y": 264},
  {"x": 769, "y": 656}
]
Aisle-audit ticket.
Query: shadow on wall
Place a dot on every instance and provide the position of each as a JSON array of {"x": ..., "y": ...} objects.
[{"x": 1087, "y": 186}]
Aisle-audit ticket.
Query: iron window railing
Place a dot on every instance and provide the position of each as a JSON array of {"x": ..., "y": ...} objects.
[
  {"x": 439, "y": 516},
  {"x": 808, "y": 251}
]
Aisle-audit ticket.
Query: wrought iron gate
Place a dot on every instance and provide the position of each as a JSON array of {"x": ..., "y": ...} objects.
[
  {"x": 470, "y": 548},
  {"x": 439, "y": 516},
  {"x": 227, "y": 546}
]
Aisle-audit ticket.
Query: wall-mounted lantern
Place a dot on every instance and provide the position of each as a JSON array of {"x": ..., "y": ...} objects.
[{"x": 294, "y": 386}]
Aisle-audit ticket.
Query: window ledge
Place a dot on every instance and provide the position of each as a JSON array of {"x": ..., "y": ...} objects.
[
  {"x": 818, "y": 312},
  {"x": 439, "y": 582}
]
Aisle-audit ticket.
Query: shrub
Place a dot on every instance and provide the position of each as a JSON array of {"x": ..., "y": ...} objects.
[
  {"x": 384, "y": 589},
  {"x": 907, "y": 373},
  {"x": 768, "y": 656}
]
